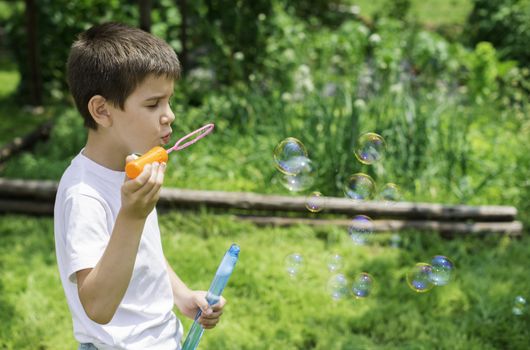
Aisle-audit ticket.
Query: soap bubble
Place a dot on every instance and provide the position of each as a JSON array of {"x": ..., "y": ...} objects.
[
  {"x": 359, "y": 186},
  {"x": 293, "y": 264},
  {"x": 442, "y": 268},
  {"x": 519, "y": 306},
  {"x": 395, "y": 240},
  {"x": 290, "y": 156},
  {"x": 419, "y": 278},
  {"x": 337, "y": 286},
  {"x": 334, "y": 262},
  {"x": 370, "y": 148},
  {"x": 314, "y": 202},
  {"x": 360, "y": 229},
  {"x": 301, "y": 181},
  {"x": 390, "y": 193},
  {"x": 362, "y": 285}
]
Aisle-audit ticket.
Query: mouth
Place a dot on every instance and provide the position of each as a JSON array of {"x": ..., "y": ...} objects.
[{"x": 165, "y": 139}]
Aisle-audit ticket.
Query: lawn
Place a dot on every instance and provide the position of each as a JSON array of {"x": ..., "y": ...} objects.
[{"x": 269, "y": 310}]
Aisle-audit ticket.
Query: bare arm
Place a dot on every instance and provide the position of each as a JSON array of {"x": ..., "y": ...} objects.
[
  {"x": 102, "y": 288},
  {"x": 189, "y": 301}
]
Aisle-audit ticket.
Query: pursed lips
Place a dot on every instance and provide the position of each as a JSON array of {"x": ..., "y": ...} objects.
[{"x": 166, "y": 138}]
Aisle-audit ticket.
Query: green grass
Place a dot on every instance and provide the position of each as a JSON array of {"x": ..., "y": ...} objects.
[
  {"x": 429, "y": 12},
  {"x": 268, "y": 310}
]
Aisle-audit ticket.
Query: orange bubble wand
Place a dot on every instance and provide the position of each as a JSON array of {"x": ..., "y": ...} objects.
[{"x": 160, "y": 154}]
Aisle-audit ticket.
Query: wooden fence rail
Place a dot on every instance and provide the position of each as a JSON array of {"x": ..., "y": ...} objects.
[{"x": 37, "y": 197}]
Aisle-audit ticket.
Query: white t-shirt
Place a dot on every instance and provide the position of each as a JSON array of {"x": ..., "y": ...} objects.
[{"x": 87, "y": 203}]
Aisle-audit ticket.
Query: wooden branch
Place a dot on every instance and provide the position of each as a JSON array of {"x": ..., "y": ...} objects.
[
  {"x": 514, "y": 228},
  {"x": 26, "y": 207},
  {"x": 511, "y": 228},
  {"x": 374, "y": 209},
  {"x": 25, "y": 142},
  {"x": 172, "y": 197}
]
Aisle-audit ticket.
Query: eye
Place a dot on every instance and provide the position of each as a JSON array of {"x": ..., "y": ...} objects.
[{"x": 153, "y": 105}]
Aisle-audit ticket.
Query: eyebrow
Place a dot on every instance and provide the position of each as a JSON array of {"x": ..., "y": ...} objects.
[{"x": 158, "y": 97}]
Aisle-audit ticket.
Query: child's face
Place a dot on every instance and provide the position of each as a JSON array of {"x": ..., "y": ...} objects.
[{"x": 145, "y": 121}]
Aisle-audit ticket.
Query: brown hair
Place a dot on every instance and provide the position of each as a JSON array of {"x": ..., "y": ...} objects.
[{"x": 111, "y": 60}]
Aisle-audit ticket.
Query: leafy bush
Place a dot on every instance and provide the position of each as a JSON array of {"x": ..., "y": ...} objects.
[{"x": 504, "y": 23}]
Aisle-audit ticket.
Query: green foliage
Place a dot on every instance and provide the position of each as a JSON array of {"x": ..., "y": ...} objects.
[
  {"x": 504, "y": 23},
  {"x": 453, "y": 119},
  {"x": 50, "y": 159},
  {"x": 59, "y": 22},
  {"x": 268, "y": 310}
]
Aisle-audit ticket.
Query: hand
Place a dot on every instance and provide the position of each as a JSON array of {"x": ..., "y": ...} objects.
[
  {"x": 197, "y": 300},
  {"x": 139, "y": 195}
]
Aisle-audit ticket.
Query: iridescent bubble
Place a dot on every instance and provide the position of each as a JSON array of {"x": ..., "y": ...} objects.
[
  {"x": 419, "y": 278},
  {"x": 390, "y": 193},
  {"x": 360, "y": 229},
  {"x": 370, "y": 148},
  {"x": 293, "y": 264},
  {"x": 359, "y": 186},
  {"x": 519, "y": 306},
  {"x": 442, "y": 269},
  {"x": 338, "y": 286},
  {"x": 290, "y": 156},
  {"x": 334, "y": 262},
  {"x": 395, "y": 240},
  {"x": 362, "y": 285},
  {"x": 314, "y": 202},
  {"x": 301, "y": 181}
]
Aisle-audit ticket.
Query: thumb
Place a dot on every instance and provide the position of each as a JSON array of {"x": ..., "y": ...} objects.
[
  {"x": 202, "y": 303},
  {"x": 131, "y": 157},
  {"x": 128, "y": 159}
]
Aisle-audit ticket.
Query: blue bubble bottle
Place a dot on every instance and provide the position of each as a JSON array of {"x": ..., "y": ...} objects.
[{"x": 214, "y": 294}]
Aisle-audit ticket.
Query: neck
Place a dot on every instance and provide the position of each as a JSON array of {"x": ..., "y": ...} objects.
[{"x": 104, "y": 152}]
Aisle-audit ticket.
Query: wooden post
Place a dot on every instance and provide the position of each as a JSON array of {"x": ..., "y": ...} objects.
[
  {"x": 145, "y": 15},
  {"x": 35, "y": 77}
]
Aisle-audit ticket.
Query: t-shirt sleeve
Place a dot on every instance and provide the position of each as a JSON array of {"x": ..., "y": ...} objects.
[{"x": 86, "y": 233}]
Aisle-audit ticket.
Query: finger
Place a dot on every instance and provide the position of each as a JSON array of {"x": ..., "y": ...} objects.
[
  {"x": 131, "y": 157},
  {"x": 203, "y": 305},
  {"x": 207, "y": 323},
  {"x": 150, "y": 182},
  {"x": 219, "y": 305},
  {"x": 155, "y": 191},
  {"x": 133, "y": 185},
  {"x": 214, "y": 315}
]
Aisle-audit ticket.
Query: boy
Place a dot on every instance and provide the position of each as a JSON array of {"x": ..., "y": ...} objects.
[{"x": 119, "y": 286}]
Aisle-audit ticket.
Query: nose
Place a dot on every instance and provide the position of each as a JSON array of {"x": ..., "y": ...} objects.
[{"x": 168, "y": 117}]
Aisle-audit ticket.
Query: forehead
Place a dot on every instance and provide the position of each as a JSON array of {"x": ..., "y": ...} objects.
[{"x": 154, "y": 86}]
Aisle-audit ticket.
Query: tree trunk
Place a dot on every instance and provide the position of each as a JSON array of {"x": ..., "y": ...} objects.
[{"x": 35, "y": 77}]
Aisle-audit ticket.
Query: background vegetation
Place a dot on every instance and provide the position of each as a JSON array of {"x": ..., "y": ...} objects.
[{"x": 446, "y": 84}]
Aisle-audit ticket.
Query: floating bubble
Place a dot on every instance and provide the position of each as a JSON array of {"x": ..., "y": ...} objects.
[
  {"x": 314, "y": 202},
  {"x": 301, "y": 181},
  {"x": 390, "y": 193},
  {"x": 395, "y": 240},
  {"x": 360, "y": 229},
  {"x": 419, "y": 278},
  {"x": 293, "y": 264},
  {"x": 290, "y": 156},
  {"x": 338, "y": 286},
  {"x": 442, "y": 268},
  {"x": 334, "y": 262},
  {"x": 519, "y": 306},
  {"x": 370, "y": 148},
  {"x": 362, "y": 285},
  {"x": 359, "y": 186}
]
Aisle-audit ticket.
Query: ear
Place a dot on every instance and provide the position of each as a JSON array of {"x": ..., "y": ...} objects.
[{"x": 98, "y": 107}]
